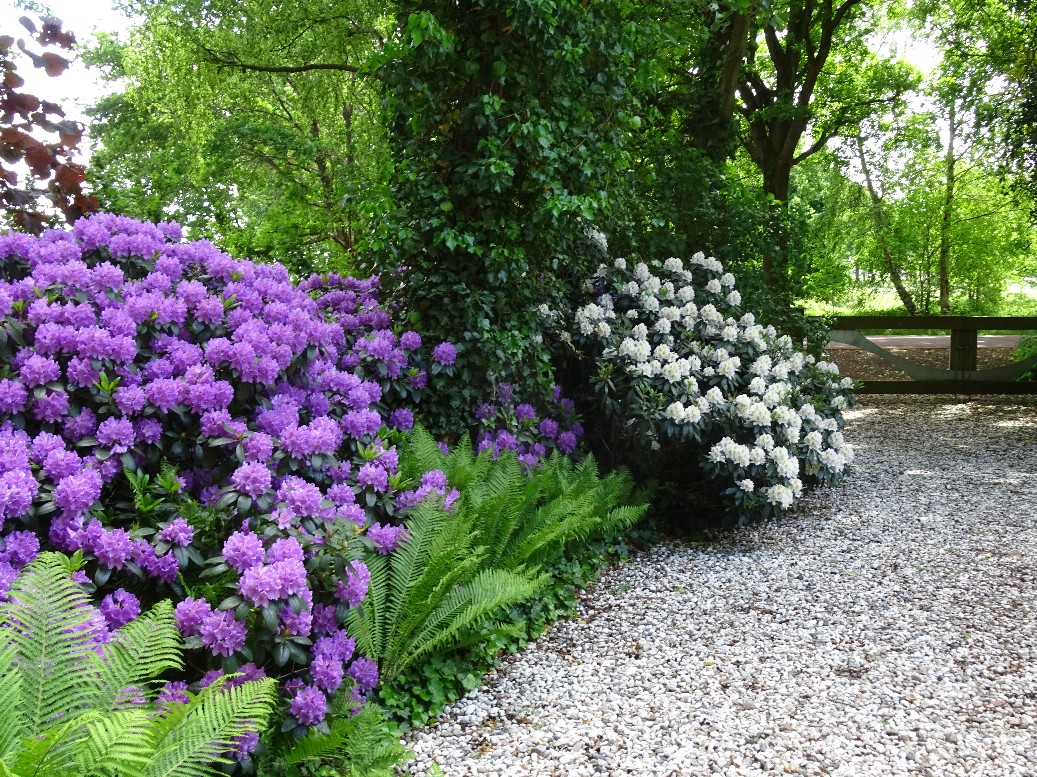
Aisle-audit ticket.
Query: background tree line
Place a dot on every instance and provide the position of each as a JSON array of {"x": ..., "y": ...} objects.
[{"x": 468, "y": 150}]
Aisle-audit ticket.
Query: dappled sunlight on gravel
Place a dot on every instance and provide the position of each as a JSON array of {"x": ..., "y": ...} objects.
[{"x": 887, "y": 628}]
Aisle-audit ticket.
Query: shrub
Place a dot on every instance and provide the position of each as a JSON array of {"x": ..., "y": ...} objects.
[
  {"x": 693, "y": 388},
  {"x": 485, "y": 528},
  {"x": 199, "y": 426},
  {"x": 530, "y": 429},
  {"x": 78, "y": 698},
  {"x": 507, "y": 122},
  {"x": 1027, "y": 349}
]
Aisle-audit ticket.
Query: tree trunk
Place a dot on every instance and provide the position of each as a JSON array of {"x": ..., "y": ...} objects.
[
  {"x": 945, "y": 220},
  {"x": 711, "y": 126},
  {"x": 880, "y": 233}
]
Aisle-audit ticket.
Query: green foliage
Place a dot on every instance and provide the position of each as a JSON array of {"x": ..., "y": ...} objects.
[
  {"x": 421, "y": 693},
  {"x": 430, "y": 592},
  {"x": 757, "y": 75},
  {"x": 527, "y": 520},
  {"x": 1027, "y": 348},
  {"x": 249, "y": 123},
  {"x": 71, "y": 703},
  {"x": 358, "y": 743},
  {"x": 987, "y": 233},
  {"x": 508, "y": 122},
  {"x": 680, "y": 201},
  {"x": 460, "y": 570}
]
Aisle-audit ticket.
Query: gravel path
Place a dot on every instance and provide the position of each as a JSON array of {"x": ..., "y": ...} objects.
[{"x": 889, "y": 628}]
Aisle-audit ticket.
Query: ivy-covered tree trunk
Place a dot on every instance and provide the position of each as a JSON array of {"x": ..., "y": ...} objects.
[{"x": 508, "y": 123}]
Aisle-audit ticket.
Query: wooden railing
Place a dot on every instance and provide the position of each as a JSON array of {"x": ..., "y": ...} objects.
[{"x": 961, "y": 376}]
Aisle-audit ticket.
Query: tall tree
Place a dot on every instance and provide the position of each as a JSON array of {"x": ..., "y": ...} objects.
[
  {"x": 251, "y": 122},
  {"x": 509, "y": 121},
  {"x": 811, "y": 78},
  {"x": 993, "y": 44},
  {"x": 938, "y": 258},
  {"x": 782, "y": 80}
]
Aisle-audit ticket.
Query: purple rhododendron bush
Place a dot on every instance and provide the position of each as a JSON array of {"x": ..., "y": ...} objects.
[{"x": 202, "y": 429}]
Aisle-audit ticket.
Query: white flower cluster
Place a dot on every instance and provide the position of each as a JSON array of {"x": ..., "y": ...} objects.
[{"x": 730, "y": 386}]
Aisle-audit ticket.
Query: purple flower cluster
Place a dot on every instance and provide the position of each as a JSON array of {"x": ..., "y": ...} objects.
[
  {"x": 268, "y": 399},
  {"x": 509, "y": 425},
  {"x": 353, "y": 589},
  {"x": 387, "y": 537},
  {"x": 119, "y": 608},
  {"x": 432, "y": 482}
]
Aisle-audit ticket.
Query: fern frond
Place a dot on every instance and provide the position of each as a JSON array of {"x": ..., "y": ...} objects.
[
  {"x": 468, "y": 606},
  {"x": 119, "y": 743},
  {"x": 435, "y": 558},
  {"x": 460, "y": 466},
  {"x": 141, "y": 650},
  {"x": 358, "y": 742},
  {"x": 421, "y": 454},
  {"x": 404, "y": 639},
  {"x": 11, "y": 723},
  {"x": 53, "y": 751},
  {"x": 366, "y": 623},
  {"x": 621, "y": 518},
  {"x": 501, "y": 509},
  {"x": 51, "y": 625},
  {"x": 206, "y": 732},
  {"x": 438, "y": 541}
]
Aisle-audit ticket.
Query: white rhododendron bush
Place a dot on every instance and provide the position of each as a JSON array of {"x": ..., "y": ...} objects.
[{"x": 698, "y": 390}]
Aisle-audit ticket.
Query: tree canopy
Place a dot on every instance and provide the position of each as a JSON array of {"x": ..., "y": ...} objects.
[
  {"x": 248, "y": 121},
  {"x": 467, "y": 151}
]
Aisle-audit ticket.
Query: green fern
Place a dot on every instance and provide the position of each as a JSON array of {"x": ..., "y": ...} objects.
[
  {"x": 429, "y": 592},
  {"x": 357, "y": 745},
  {"x": 527, "y": 521},
  {"x": 65, "y": 707},
  {"x": 459, "y": 571}
]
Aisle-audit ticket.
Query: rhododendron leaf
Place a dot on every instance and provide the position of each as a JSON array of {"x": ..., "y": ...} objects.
[
  {"x": 229, "y": 603},
  {"x": 271, "y": 617},
  {"x": 227, "y": 500},
  {"x": 102, "y": 574},
  {"x": 296, "y": 652},
  {"x": 281, "y": 653}
]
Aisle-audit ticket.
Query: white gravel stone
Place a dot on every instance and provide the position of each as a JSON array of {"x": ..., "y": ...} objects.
[{"x": 887, "y": 628}]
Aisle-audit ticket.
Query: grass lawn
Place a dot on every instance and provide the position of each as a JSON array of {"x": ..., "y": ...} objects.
[{"x": 1018, "y": 300}]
